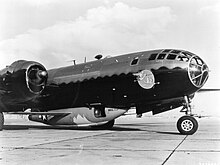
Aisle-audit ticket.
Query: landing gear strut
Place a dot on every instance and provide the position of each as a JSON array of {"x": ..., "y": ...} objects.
[
  {"x": 1, "y": 121},
  {"x": 187, "y": 125}
]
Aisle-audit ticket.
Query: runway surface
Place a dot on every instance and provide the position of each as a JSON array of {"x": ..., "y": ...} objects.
[{"x": 149, "y": 140}]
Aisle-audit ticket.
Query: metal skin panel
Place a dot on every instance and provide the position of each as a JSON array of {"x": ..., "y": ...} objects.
[
  {"x": 112, "y": 82},
  {"x": 137, "y": 80}
]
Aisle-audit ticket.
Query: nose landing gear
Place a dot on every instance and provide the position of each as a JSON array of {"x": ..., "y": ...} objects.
[{"x": 187, "y": 125}]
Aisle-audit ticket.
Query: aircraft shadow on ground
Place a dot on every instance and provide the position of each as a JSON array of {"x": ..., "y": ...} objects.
[
  {"x": 25, "y": 127},
  {"x": 169, "y": 133},
  {"x": 150, "y": 126},
  {"x": 115, "y": 128}
]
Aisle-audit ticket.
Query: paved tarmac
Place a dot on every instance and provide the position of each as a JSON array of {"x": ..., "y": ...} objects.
[{"x": 149, "y": 140}]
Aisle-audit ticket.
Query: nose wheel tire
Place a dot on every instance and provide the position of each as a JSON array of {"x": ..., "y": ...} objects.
[
  {"x": 187, "y": 125},
  {"x": 1, "y": 121}
]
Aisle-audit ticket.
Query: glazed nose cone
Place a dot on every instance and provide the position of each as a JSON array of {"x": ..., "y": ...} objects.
[{"x": 198, "y": 71}]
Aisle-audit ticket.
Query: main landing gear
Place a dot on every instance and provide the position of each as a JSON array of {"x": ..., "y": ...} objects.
[
  {"x": 187, "y": 125},
  {"x": 1, "y": 121}
]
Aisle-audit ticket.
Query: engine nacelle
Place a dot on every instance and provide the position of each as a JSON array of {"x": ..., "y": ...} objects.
[{"x": 24, "y": 80}]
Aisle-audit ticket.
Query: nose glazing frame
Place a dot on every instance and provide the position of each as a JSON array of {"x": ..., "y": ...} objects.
[{"x": 198, "y": 71}]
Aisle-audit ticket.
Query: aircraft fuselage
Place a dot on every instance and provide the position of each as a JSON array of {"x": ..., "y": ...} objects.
[
  {"x": 102, "y": 90},
  {"x": 123, "y": 81}
]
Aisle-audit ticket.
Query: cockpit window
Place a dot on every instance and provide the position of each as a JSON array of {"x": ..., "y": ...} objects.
[
  {"x": 153, "y": 56},
  {"x": 166, "y": 50},
  {"x": 196, "y": 61},
  {"x": 171, "y": 57},
  {"x": 175, "y": 51},
  {"x": 199, "y": 61},
  {"x": 193, "y": 62},
  {"x": 182, "y": 58},
  {"x": 161, "y": 56},
  {"x": 188, "y": 54},
  {"x": 135, "y": 61}
]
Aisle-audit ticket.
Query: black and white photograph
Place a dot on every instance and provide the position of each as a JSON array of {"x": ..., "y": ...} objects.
[{"x": 120, "y": 82}]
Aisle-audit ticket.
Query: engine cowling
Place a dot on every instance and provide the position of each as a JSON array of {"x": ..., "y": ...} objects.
[{"x": 24, "y": 80}]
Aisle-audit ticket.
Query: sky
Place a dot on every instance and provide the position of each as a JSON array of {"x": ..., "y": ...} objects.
[{"x": 54, "y": 32}]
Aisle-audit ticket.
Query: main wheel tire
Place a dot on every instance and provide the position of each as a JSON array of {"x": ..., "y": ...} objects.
[
  {"x": 187, "y": 125},
  {"x": 1, "y": 121}
]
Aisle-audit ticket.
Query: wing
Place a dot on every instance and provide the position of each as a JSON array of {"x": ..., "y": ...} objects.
[{"x": 208, "y": 90}]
